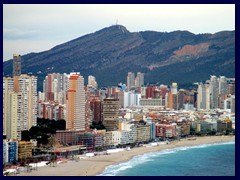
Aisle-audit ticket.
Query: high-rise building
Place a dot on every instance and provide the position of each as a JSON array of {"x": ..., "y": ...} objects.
[
  {"x": 150, "y": 91},
  {"x": 172, "y": 101},
  {"x": 110, "y": 114},
  {"x": 214, "y": 91},
  {"x": 51, "y": 110},
  {"x": 55, "y": 87},
  {"x": 92, "y": 80},
  {"x": 164, "y": 91},
  {"x": 130, "y": 81},
  {"x": 88, "y": 112},
  {"x": 232, "y": 103},
  {"x": 92, "y": 85},
  {"x": 139, "y": 81},
  {"x": 16, "y": 65},
  {"x": 96, "y": 107},
  {"x": 181, "y": 98},
  {"x": 174, "y": 88},
  {"x": 7, "y": 89},
  {"x": 203, "y": 97},
  {"x": 223, "y": 87},
  {"x": 19, "y": 105},
  {"x": 28, "y": 88},
  {"x": 231, "y": 89},
  {"x": 75, "y": 119}
]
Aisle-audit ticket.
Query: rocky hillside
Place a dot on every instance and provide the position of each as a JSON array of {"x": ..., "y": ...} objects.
[{"x": 110, "y": 53}]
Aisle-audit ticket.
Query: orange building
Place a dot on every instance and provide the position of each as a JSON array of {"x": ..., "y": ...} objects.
[
  {"x": 172, "y": 101},
  {"x": 75, "y": 119}
]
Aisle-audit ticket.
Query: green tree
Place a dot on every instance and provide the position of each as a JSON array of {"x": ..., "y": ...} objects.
[
  {"x": 213, "y": 132},
  {"x": 192, "y": 131},
  {"x": 228, "y": 131},
  {"x": 198, "y": 133},
  {"x": 61, "y": 124},
  {"x": 26, "y": 135}
]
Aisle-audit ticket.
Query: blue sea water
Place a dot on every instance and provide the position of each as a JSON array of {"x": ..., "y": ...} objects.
[{"x": 216, "y": 159}]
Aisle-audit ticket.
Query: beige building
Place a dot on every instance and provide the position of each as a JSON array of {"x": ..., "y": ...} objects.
[
  {"x": 143, "y": 132},
  {"x": 19, "y": 105},
  {"x": 110, "y": 114}
]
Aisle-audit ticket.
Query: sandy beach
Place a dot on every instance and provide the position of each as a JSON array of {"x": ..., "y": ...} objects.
[{"x": 95, "y": 165}]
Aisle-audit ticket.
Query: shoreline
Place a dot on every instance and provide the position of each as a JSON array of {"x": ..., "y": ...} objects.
[{"x": 96, "y": 165}]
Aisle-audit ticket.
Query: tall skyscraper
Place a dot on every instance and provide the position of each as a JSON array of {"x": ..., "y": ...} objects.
[
  {"x": 164, "y": 91},
  {"x": 88, "y": 111},
  {"x": 174, "y": 89},
  {"x": 130, "y": 81},
  {"x": 214, "y": 91},
  {"x": 231, "y": 89},
  {"x": 7, "y": 115},
  {"x": 16, "y": 65},
  {"x": 180, "y": 98},
  {"x": 75, "y": 119},
  {"x": 96, "y": 108},
  {"x": 223, "y": 86},
  {"x": 19, "y": 105},
  {"x": 110, "y": 114},
  {"x": 139, "y": 81},
  {"x": 92, "y": 80},
  {"x": 92, "y": 85},
  {"x": 172, "y": 101},
  {"x": 203, "y": 97}
]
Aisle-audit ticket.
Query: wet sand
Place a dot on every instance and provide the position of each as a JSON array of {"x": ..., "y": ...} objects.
[{"x": 95, "y": 165}]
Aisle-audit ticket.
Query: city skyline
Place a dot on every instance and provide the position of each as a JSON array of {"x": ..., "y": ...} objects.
[
  {"x": 94, "y": 122},
  {"x": 26, "y": 29}
]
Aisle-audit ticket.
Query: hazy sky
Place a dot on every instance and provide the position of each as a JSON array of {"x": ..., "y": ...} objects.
[{"x": 36, "y": 28}]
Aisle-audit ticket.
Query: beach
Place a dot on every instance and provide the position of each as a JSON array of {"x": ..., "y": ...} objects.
[{"x": 95, "y": 165}]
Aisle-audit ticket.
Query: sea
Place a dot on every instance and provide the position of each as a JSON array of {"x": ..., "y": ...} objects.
[{"x": 217, "y": 159}]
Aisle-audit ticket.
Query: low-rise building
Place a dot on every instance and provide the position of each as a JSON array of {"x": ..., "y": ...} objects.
[
  {"x": 150, "y": 102},
  {"x": 10, "y": 151},
  {"x": 25, "y": 149},
  {"x": 143, "y": 133},
  {"x": 165, "y": 130}
]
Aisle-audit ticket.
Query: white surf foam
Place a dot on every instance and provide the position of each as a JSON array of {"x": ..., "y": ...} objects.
[{"x": 112, "y": 170}]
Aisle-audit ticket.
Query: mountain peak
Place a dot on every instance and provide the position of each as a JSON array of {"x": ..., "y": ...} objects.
[{"x": 115, "y": 28}]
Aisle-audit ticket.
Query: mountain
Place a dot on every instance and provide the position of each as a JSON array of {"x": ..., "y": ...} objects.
[{"x": 109, "y": 54}]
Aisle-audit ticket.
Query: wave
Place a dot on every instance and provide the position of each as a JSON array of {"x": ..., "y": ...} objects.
[{"x": 113, "y": 170}]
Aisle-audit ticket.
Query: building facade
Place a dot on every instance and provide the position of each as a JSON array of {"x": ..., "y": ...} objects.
[
  {"x": 75, "y": 119},
  {"x": 110, "y": 114},
  {"x": 130, "y": 81},
  {"x": 19, "y": 105}
]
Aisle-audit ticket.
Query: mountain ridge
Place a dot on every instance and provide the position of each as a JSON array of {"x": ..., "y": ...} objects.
[{"x": 115, "y": 49}]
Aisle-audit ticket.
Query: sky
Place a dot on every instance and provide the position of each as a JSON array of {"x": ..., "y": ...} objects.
[{"x": 35, "y": 28}]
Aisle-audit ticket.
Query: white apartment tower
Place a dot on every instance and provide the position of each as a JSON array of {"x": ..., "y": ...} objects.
[
  {"x": 19, "y": 105},
  {"x": 223, "y": 86},
  {"x": 174, "y": 87}
]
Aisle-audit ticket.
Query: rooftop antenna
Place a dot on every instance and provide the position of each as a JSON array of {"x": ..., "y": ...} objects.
[{"x": 117, "y": 22}]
